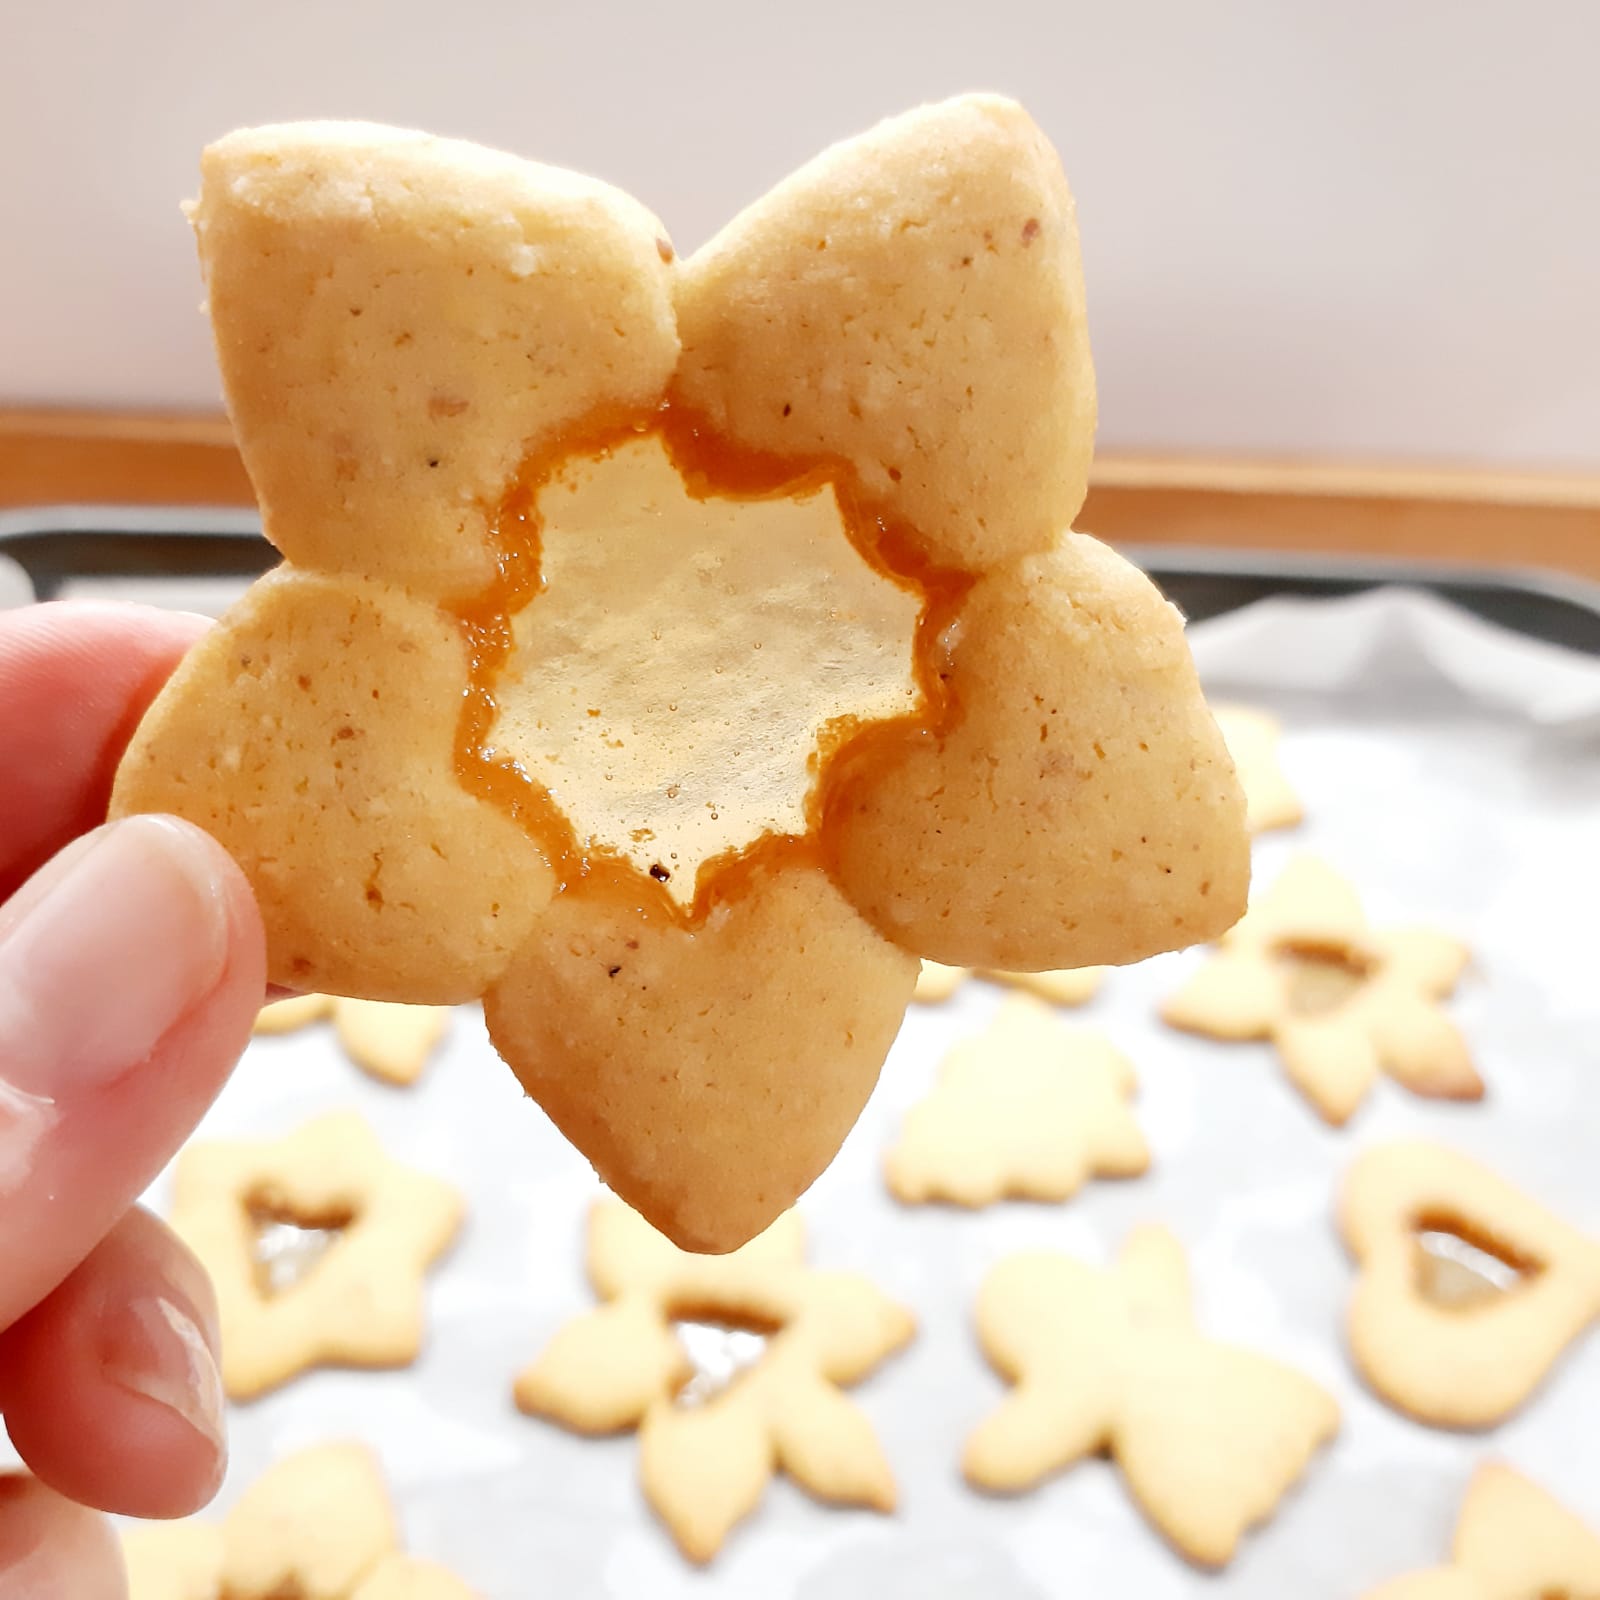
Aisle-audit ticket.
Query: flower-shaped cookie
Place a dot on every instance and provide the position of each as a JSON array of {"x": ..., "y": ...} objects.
[
  {"x": 705, "y": 1458},
  {"x": 1341, "y": 1001},
  {"x": 673, "y": 651}
]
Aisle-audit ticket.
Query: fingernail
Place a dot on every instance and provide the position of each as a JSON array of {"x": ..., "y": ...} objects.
[
  {"x": 103, "y": 950},
  {"x": 153, "y": 1349}
]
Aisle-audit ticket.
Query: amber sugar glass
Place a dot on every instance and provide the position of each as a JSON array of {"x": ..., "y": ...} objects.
[{"x": 850, "y": 749}]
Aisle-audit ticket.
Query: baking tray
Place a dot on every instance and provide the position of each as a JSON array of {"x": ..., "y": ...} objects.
[
  {"x": 1447, "y": 799},
  {"x": 59, "y": 547}
]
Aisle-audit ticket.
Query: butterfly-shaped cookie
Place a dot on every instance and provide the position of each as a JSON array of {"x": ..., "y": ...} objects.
[{"x": 1208, "y": 1437}]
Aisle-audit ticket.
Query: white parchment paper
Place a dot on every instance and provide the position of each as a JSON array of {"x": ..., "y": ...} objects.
[{"x": 1454, "y": 772}]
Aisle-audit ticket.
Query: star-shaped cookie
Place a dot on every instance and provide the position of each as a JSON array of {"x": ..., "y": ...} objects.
[{"x": 378, "y": 1227}]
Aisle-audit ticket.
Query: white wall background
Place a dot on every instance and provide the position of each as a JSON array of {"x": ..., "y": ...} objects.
[{"x": 1369, "y": 227}]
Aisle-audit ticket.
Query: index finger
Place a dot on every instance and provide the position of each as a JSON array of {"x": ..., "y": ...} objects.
[{"x": 75, "y": 678}]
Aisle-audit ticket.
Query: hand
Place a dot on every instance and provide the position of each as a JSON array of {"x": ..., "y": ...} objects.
[{"x": 131, "y": 968}]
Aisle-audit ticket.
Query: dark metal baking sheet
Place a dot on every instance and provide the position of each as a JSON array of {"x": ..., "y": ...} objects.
[{"x": 55, "y": 545}]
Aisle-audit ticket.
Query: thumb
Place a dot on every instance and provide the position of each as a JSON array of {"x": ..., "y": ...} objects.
[{"x": 131, "y": 966}]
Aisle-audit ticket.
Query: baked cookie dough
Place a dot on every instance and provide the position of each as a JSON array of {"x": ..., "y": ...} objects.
[
  {"x": 1271, "y": 801},
  {"x": 1512, "y": 1542},
  {"x": 388, "y": 1041},
  {"x": 318, "y": 1525},
  {"x": 1068, "y": 986},
  {"x": 713, "y": 1432},
  {"x": 317, "y": 1245},
  {"x": 673, "y": 651},
  {"x": 1342, "y": 1001},
  {"x": 1027, "y": 1110},
  {"x": 1209, "y": 1437},
  {"x": 1458, "y": 1337}
]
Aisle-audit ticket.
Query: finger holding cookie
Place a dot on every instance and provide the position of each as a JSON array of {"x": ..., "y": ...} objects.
[
  {"x": 131, "y": 966},
  {"x": 111, "y": 1386}
]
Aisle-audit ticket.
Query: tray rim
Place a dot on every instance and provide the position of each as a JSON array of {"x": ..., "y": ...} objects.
[{"x": 1163, "y": 561}]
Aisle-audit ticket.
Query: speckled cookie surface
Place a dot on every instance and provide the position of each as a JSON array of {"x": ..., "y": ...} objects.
[{"x": 436, "y": 358}]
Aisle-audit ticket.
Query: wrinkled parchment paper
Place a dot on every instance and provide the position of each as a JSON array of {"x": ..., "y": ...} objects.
[{"x": 1454, "y": 772}]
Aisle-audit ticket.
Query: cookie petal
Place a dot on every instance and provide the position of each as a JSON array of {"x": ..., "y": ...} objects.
[
  {"x": 848, "y": 1324},
  {"x": 1082, "y": 810},
  {"x": 911, "y": 302},
  {"x": 1331, "y": 1060},
  {"x": 826, "y": 1444},
  {"x": 603, "y": 1371},
  {"x": 709, "y": 1074},
  {"x": 628, "y": 1256},
  {"x": 1067, "y": 986},
  {"x": 399, "y": 319},
  {"x": 704, "y": 1468},
  {"x": 313, "y": 734},
  {"x": 1233, "y": 994},
  {"x": 392, "y": 1043},
  {"x": 1252, "y": 737},
  {"x": 936, "y": 983},
  {"x": 1428, "y": 959},
  {"x": 1153, "y": 1275},
  {"x": 1422, "y": 1048},
  {"x": 1308, "y": 904}
]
